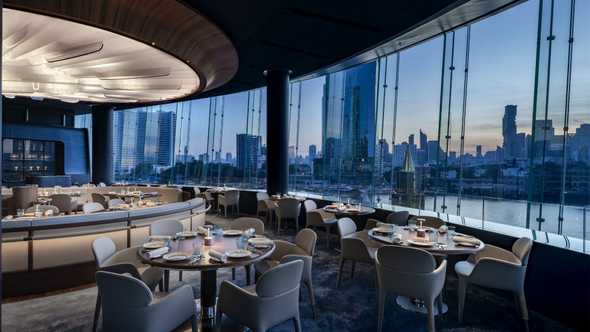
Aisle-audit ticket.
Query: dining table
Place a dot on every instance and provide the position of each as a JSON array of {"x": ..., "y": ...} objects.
[
  {"x": 440, "y": 245},
  {"x": 349, "y": 211},
  {"x": 200, "y": 259}
]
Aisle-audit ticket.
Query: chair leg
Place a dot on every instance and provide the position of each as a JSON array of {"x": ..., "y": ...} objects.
[
  {"x": 523, "y": 310},
  {"x": 195, "y": 323},
  {"x": 233, "y": 273},
  {"x": 179, "y": 275},
  {"x": 309, "y": 285},
  {"x": 166, "y": 280},
  {"x": 96, "y": 313},
  {"x": 328, "y": 237},
  {"x": 248, "y": 274},
  {"x": 161, "y": 285},
  {"x": 297, "y": 323},
  {"x": 461, "y": 293},
  {"x": 381, "y": 310},
  {"x": 340, "y": 272},
  {"x": 352, "y": 270},
  {"x": 430, "y": 307}
]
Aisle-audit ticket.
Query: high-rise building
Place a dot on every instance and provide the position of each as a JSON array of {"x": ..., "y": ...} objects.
[
  {"x": 509, "y": 132},
  {"x": 348, "y": 116},
  {"x": 411, "y": 139},
  {"x": 312, "y": 152},
  {"x": 228, "y": 157},
  {"x": 247, "y": 151},
  {"x": 478, "y": 153},
  {"x": 141, "y": 136}
]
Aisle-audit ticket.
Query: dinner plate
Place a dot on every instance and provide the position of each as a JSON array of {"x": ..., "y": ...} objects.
[
  {"x": 154, "y": 245},
  {"x": 232, "y": 232},
  {"x": 384, "y": 230},
  {"x": 418, "y": 243},
  {"x": 187, "y": 234},
  {"x": 175, "y": 257},
  {"x": 238, "y": 253}
]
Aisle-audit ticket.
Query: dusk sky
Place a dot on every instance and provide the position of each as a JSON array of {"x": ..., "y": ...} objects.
[{"x": 501, "y": 72}]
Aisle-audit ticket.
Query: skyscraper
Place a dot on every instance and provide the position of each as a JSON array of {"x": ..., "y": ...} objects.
[
  {"x": 312, "y": 152},
  {"x": 142, "y": 136},
  {"x": 348, "y": 117},
  {"x": 478, "y": 151},
  {"x": 509, "y": 144},
  {"x": 247, "y": 151}
]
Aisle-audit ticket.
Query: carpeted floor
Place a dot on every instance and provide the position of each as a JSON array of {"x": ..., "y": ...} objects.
[{"x": 352, "y": 307}]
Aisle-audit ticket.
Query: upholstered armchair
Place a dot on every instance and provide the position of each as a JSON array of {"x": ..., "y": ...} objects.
[
  {"x": 497, "y": 268},
  {"x": 274, "y": 298},
  {"x": 409, "y": 272},
  {"x": 303, "y": 249},
  {"x": 230, "y": 198},
  {"x": 289, "y": 208},
  {"x": 319, "y": 218},
  {"x": 129, "y": 305},
  {"x": 352, "y": 249}
]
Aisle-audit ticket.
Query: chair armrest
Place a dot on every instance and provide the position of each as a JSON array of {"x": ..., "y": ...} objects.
[
  {"x": 176, "y": 307},
  {"x": 283, "y": 248},
  {"x": 233, "y": 298},
  {"x": 497, "y": 273},
  {"x": 122, "y": 268},
  {"x": 490, "y": 251}
]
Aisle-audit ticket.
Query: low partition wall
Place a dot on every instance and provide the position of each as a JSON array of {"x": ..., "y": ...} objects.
[
  {"x": 55, "y": 252},
  {"x": 557, "y": 280}
]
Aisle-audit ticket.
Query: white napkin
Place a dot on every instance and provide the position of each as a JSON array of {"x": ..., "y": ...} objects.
[
  {"x": 163, "y": 238},
  {"x": 470, "y": 240},
  {"x": 218, "y": 256},
  {"x": 158, "y": 252}
]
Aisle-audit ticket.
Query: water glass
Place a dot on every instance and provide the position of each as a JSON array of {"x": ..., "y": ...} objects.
[{"x": 20, "y": 212}]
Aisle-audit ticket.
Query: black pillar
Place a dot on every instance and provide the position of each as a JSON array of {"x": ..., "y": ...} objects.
[
  {"x": 277, "y": 130},
  {"x": 102, "y": 144}
]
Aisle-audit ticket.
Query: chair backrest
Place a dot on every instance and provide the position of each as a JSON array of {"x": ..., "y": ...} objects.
[
  {"x": 92, "y": 207},
  {"x": 310, "y": 205},
  {"x": 102, "y": 184},
  {"x": 43, "y": 209},
  {"x": 289, "y": 208},
  {"x": 102, "y": 249},
  {"x": 522, "y": 249},
  {"x": 306, "y": 240},
  {"x": 409, "y": 272},
  {"x": 98, "y": 198},
  {"x": 166, "y": 227},
  {"x": 232, "y": 197},
  {"x": 281, "y": 279},
  {"x": 260, "y": 196},
  {"x": 63, "y": 202},
  {"x": 113, "y": 203},
  {"x": 399, "y": 218},
  {"x": 24, "y": 196},
  {"x": 406, "y": 259},
  {"x": 346, "y": 226},
  {"x": 243, "y": 223},
  {"x": 120, "y": 292},
  {"x": 314, "y": 218}
]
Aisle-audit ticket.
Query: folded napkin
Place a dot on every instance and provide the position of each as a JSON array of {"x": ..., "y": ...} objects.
[
  {"x": 464, "y": 239},
  {"x": 260, "y": 242},
  {"x": 158, "y": 252},
  {"x": 218, "y": 256}
]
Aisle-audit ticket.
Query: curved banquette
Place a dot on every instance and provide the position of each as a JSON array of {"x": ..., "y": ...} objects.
[{"x": 54, "y": 252}]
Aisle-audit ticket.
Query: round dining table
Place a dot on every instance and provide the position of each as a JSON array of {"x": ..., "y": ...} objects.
[
  {"x": 206, "y": 265},
  {"x": 442, "y": 246},
  {"x": 350, "y": 211}
]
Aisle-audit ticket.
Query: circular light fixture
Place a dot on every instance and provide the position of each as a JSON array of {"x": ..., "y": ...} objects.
[{"x": 48, "y": 57}]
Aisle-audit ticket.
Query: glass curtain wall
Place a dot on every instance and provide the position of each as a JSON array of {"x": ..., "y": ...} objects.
[
  {"x": 489, "y": 122},
  {"x": 214, "y": 141}
]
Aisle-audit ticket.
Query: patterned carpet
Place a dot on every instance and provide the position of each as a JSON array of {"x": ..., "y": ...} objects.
[{"x": 352, "y": 307}]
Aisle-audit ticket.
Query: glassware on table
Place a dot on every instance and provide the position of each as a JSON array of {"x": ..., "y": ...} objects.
[{"x": 20, "y": 212}]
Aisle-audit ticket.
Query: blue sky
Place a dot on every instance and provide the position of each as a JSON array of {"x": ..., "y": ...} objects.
[{"x": 501, "y": 72}]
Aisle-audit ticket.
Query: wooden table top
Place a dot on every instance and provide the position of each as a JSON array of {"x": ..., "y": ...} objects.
[
  {"x": 220, "y": 244},
  {"x": 376, "y": 241}
]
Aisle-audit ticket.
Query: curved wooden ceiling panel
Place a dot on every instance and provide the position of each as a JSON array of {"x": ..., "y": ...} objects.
[{"x": 167, "y": 25}]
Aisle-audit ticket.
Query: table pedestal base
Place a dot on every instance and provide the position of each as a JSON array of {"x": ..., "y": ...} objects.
[{"x": 416, "y": 305}]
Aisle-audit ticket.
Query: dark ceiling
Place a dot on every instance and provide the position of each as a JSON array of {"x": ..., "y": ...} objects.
[{"x": 307, "y": 35}]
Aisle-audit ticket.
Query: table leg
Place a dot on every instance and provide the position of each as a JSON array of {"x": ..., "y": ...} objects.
[
  {"x": 208, "y": 294},
  {"x": 166, "y": 280}
]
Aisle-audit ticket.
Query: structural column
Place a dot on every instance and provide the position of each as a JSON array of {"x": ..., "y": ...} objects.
[
  {"x": 102, "y": 144},
  {"x": 277, "y": 130}
]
